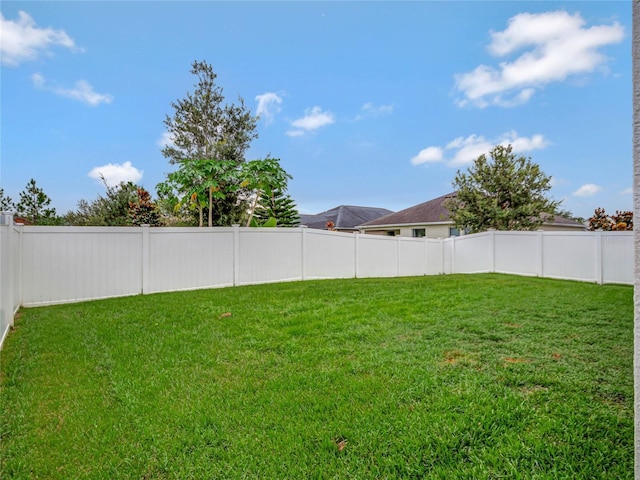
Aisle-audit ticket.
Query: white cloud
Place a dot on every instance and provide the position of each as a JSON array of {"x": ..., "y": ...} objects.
[
  {"x": 295, "y": 133},
  {"x": 22, "y": 40},
  {"x": 268, "y": 105},
  {"x": 313, "y": 119},
  {"x": 369, "y": 110},
  {"x": 428, "y": 155},
  {"x": 82, "y": 91},
  {"x": 556, "y": 45},
  {"x": 38, "y": 80},
  {"x": 465, "y": 150},
  {"x": 587, "y": 190},
  {"x": 165, "y": 140},
  {"x": 114, "y": 174},
  {"x": 626, "y": 191},
  {"x": 524, "y": 144},
  {"x": 377, "y": 110}
]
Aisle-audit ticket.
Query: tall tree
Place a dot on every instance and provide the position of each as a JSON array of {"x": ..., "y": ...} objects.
[
  {"x": 6, "y": 204},
  {"x": 504, "y": 192},
  {"x": 277, "y": 205},
  {"x": 34, "y": 205},
  {"x": 206, "y": 186},
  {"x": 263, "y": 178},
  {"x": 208, "y": 142}
]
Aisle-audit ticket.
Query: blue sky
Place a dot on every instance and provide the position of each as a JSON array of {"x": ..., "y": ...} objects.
[{"x": 365, "y": 103}]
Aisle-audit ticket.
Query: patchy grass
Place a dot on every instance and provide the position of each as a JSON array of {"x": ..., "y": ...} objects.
[{"x": 483, "y": 376}]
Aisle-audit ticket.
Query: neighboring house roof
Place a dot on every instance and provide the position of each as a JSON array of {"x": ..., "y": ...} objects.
[
  {"x": 435, "y": 212},
  {"x": 560, "y": 221},
  {"x": 344, "y": 217},
  {"x": 22, "y": 220},
  {"x": 432, "y": 211}
]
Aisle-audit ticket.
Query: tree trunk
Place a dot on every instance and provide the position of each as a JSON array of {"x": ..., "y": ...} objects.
[
  {"x": 210, "y": 206},
  {"x": 253, "y": 208}
]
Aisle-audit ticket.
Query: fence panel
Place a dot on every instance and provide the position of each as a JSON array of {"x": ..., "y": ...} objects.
[
  {"x": 517, "y": 253},
  {"x": 413, "y": 257},
  {"x": 190, "y": 258},
  {"x": 473, "y": 253},
  {"x": 269, "y": 255},
  {"x": 6, "y": 297},
  {"x": 435, "y": 257},
  {"x": 617, "y": 257},
  {"x": 447, "y": 255},
  {"x": 570, "y": 256},
  {"x": 377, "y": 256},
  {"x": 16, "y": 262},
  {"x": 80, "y": 263},
  {"x": 329, "y": 254}
]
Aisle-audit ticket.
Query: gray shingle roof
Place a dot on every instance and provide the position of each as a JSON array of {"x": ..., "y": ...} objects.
[
  {"x": 345, "y": 217},
  {"x": 558, "y": 220},
  {"x": 434, "y": 211},
  {"x": 428, "y": 212}
]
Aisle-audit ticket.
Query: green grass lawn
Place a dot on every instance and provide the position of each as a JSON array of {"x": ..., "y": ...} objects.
[{"x": 475, "y": 376}]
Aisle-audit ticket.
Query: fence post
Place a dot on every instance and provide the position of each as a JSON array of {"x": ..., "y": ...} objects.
[
  {"x": 145, "y": 258},
  {"x": 7, "y": 278},
  {"x": 303, "y": 267},
  {"x": 236, "y": 254},
  {"x": 20, "y": 263},
  {"x": 492, "y": 236},
  {"x": 453, "y": 254},
  {"x": 356, "y": 260},
  {"x": 426, "y": 255},
  {"x": 540, "y": 259},
  {"x": 10, "y": 268},
  {"x": 599, "y": 267},
  {"x": 398, "y": 254}
]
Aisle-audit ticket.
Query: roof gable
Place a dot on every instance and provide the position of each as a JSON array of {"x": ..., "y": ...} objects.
[{"x": 344, "y": 217}]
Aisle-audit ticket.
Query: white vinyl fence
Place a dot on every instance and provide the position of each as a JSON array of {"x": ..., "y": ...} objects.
[
  {"x": 601, "y": 257},
  {"x": 49, "y": 265}
]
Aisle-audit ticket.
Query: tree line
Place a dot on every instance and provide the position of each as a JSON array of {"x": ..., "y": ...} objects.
[
  {"x": 122, "y": 205},
  {"x": 214, "y": 184}
]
